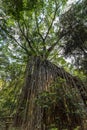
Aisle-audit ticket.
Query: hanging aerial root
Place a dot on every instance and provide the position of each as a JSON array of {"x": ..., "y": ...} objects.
[{"x": 39, "y": 77}]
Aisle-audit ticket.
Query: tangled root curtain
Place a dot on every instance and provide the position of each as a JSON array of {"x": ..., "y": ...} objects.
[{"x": 41, "y": 76}]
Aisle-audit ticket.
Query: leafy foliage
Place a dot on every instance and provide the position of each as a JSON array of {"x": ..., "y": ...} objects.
[
  {"x": 11, "y": 85},
  {"x": 61, "y": 104},
  {"x": 74, "y": 25},
  {"x": 35, "y": 22}
]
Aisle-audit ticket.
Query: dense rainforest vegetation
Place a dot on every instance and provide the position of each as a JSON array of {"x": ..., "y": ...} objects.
[{"x": 43, "y": 65}]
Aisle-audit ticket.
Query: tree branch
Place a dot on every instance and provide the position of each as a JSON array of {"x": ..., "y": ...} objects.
[
  {"x": 26, "y": 38},
  {"x": 12, "y": 37},
  {"x": 51, "y": 23},
  {"x": 43, "y": 40},
  {"x": 37, "y": 25},
  {"x": 61, "y": 35},
  {"x": 51, "y": 48}
]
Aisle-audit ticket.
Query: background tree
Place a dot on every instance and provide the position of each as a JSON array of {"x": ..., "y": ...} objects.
[{"x": 75, "y": 42}]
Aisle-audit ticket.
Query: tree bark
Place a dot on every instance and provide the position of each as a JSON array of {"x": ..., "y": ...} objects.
[{"x": 39, "y": 76}]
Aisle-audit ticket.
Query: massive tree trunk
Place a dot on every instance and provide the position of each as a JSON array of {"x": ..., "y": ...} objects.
[{"x": 39, "y": 76}]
